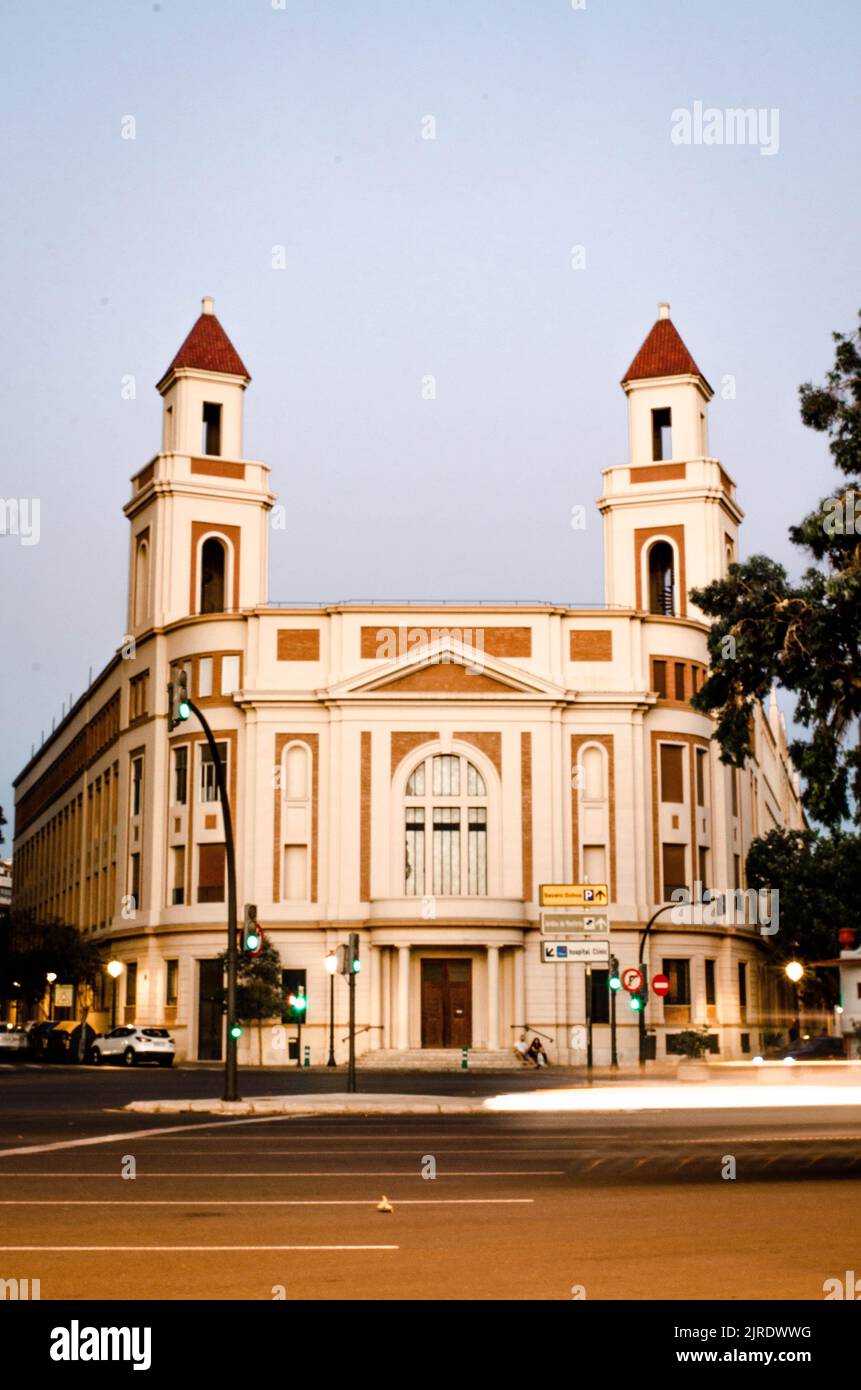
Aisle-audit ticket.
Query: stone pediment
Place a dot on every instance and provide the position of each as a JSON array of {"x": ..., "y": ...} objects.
[{"x": 446, "y": 668}]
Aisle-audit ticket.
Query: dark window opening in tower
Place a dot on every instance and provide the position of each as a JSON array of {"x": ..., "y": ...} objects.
[
  {"x": 662, "y": 433},
  {"x": 661, "y": 580},
  {"x": 212, "y": 566},
  {"x": 211, "y": 442}
]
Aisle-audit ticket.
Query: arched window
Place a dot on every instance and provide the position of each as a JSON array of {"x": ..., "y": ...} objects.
[
  {"x": 445, "y": 828},
  {"x": 592, "y": 781},
  {"x": 662, "y": 598},
  {"x": 141, "y": 582},
  {"x": 213, "y": 565}
]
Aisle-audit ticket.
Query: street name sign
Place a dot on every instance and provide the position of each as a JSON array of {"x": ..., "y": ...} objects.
[
  {"x": 573, "y": 895},
  {"x": 575, "y": 952},
  {"x": 574, "y": 920}
]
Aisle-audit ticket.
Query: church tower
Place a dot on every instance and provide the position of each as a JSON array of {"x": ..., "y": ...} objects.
[
  {"x": 199, "y": 509},
  {"x": 670, "y": 515}
]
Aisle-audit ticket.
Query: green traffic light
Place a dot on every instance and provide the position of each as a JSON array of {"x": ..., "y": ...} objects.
[
  {"x": 357, "y": 965},
  {"x": 236, "y": 1031},
  {"x": 184, "y": 710},
  {"x": 636, "y": 1003},
  {"x": 252, "y": 941},
  {"x": 300, "y": 1004},
  {"x": 615, "y": 982}
]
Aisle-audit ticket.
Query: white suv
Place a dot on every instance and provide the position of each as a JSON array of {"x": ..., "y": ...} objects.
[{"x": 130, "y": 1045}]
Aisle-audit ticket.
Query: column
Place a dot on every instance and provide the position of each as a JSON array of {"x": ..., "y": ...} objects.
[
  {"x": 403, "y": 998},
  {"x": 493, "y": 998},
  {"x": 519, "y": 990},
  {"x": 375, "y": 1037}
]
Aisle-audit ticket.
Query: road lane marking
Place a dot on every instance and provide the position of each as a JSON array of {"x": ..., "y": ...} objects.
[
  {"x": 141, "y": 1134},
  {"x": 345, "y": 1173},
  {"x": 153, "y": 1250},
  {"x": 278, "y": 1202}
]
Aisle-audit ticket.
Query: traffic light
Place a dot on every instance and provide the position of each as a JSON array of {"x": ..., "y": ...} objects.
[
  {"x": 613, "y": 978},
  {"x": 636, "y": 1003},
  {"x": 178, "y": 708},
  {"x": 297, "y": 1006},
  {"x": 355, "y": 964},
  {"x": 252, "y": 936},
  {"x": 235, "y": 1030}
]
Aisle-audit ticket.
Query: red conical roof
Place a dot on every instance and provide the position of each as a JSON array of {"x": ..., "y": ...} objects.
[
  {"x": 208, "y": 349},
  {"x": 662, "y": 354}
]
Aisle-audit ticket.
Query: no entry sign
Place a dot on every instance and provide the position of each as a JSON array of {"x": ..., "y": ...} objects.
[
  {"x": 632, "y": 979},
  {"x": 660, "y": 984}
]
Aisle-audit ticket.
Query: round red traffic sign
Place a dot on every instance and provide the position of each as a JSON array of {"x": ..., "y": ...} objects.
[
  {"x": 660, "y": 984},
  {"x": 632, "y": 979}
]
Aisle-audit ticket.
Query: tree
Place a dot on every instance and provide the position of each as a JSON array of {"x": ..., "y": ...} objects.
[
  {"x": 806, "y": 636},
  {"x": 258, "y": 988},
  {"x": 31, "y": 947}
]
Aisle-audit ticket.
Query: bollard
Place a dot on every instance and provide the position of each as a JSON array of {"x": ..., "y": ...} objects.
[
  {"x": 307, "y": 1055},
  {"x": 464, "y": 1060}
]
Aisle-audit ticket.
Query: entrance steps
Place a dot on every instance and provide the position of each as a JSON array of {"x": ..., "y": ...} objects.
[{"x": 438, "y": 1059}]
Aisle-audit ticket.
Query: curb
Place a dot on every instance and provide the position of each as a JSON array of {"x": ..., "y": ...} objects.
[{"x": 313, "y": 1105}]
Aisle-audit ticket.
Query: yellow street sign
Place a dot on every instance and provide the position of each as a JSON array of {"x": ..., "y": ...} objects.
[{"x": 573, "y": 895}]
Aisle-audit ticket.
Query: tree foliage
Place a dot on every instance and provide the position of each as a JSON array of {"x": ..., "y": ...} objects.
[
  {"x": 806, "y": 636},
  {"x": 817, "y": 878},
  {"x": 31, "y": 947},
  {"x": 258, "y": 985}
]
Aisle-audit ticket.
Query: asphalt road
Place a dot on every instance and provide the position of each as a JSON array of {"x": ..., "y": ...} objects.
[{"x": 628, "y": 1207}]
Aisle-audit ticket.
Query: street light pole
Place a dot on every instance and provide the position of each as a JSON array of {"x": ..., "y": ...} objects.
[
  {"x": 331, "y": 964},
  {"x": 115, "y": 970},
  {"x": 641, "y": 1019},
  {"x": 230, "y": 1066}
]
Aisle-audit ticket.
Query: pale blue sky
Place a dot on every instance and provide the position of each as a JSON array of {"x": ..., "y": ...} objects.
[{"x": 259, "y": 127}]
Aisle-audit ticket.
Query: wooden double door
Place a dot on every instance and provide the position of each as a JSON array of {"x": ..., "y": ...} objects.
[{"x": 446, "y": 1003}]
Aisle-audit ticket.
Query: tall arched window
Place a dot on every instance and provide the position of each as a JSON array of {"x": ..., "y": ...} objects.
[
  {"x": 141, "y": 582},
  {"x": 662, "y": 598},
  {"x": 446, "y": 828},
  {"x": 213, "y": 566}
]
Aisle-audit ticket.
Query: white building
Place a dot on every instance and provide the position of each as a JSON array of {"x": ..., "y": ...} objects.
[{"x": 412, "y": 773}]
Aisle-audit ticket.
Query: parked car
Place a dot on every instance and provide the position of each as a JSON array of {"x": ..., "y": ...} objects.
[
  {"x": 822, "y": 1049},
  {"x": 130, "y": 1045},
  {"x": 14, "y": 1042},
  {"x": 70, "y": 1041},
  {"x": 37, "y": 1038}
]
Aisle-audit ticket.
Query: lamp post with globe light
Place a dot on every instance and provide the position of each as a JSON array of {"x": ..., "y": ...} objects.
[
  {"x": 330, "y": 961},
  {"x": 114, "y": 969},
  {"x": 51, "y": 978},
  {"x": 794, "y": 971}
]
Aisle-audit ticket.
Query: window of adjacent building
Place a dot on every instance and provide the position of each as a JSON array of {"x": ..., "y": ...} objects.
[
  {"x": 455, "y": 813},
  {"x": 701, "y": 772},
  {"x": 675, "y": 876},
  {"x": 204, "y": 677},
  {"x": 703, "y": 865},
  {"x": 660, "y": 678},
  {"x": 213, "y": 567},
  {"x": 135, "y": 878},
  {"x": 736, "y": 871},
  {"x": 178, "y": 889},
  {"x": 662, "y": 579},
  {"x": 131, "y": 983},
  {"x": 733, "y": 784},
  {"x": 210, "y": 873},
  {"x": 742, "y": 983},
  {"x": 208, "y": 780},
  {"x": 229, "y": 674},
  {"x": 678, "y": 972},
  {"x": 594, "y": 864},
  {"x": 711, "y": 991},
  {"x": 211, "y": 431},
  {"x": 744, "y": 1039},
  {"x": 296, "y": 873},
  {"x": 137, "y": 785},
  {"x": 171, "y": 987},
  {"x": 180, "y": 775},
  {"x": 138, "y": 696},
  {"x": 672, "y": 772},
  {"x": 662, "y": 433},
  {"x": 679, "y": 676}
]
